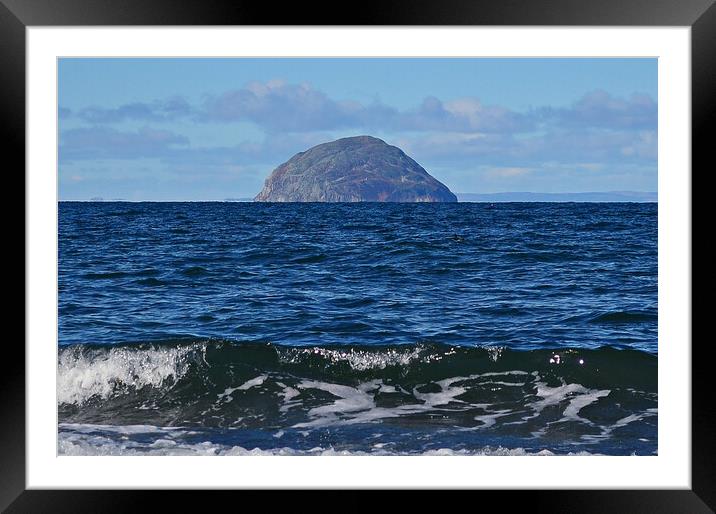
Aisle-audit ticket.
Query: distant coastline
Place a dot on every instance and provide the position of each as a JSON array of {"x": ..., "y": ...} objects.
[{"x": 608, "y": 196}]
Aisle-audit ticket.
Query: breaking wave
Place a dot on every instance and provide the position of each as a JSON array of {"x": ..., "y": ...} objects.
[{"x": 582, "y": 396}]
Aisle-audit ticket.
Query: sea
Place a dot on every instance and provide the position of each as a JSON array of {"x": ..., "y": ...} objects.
[{"x": 240, "y": 328}]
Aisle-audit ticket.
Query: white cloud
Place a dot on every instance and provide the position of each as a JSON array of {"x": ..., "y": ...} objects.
[{"x": 510, "y": 172}]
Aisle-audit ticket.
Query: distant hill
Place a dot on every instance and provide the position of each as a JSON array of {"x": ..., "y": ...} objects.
[
  {"x": 353, "y": 169},
  {"x": 609, "y": 196}
]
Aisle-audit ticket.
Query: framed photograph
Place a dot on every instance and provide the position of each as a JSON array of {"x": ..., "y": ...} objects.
[{"x": 434, "y": 247}]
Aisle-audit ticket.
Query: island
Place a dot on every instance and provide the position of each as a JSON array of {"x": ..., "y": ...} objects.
[{"x": 353, "y": 169}]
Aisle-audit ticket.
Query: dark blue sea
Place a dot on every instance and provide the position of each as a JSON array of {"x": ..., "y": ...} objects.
[{"x": 254, "y": 328}]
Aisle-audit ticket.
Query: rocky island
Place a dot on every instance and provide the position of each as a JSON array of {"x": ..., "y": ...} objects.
[{"x": 353, "y": 169}]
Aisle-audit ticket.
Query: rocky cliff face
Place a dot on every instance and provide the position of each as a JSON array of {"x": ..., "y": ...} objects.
[{"x": 354, "y": 169}]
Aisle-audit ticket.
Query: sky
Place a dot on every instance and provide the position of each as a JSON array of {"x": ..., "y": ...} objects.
[{"x": 146, "y": 129}]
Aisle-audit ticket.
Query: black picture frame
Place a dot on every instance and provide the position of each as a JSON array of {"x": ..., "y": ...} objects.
[{"x": 700, "y": 15}]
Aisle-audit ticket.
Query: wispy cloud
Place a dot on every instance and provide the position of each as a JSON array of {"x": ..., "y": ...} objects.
[
  {"x": 600, "y": 109},
  {"x": 109, "y": 143},
  {"x": 507, "y": 150},
  {"x": 596, "y": 135},
  {"x": 508, "y": 172},
  {"x": 277, "y": 106},
  {"x": 159, "y": 110}
]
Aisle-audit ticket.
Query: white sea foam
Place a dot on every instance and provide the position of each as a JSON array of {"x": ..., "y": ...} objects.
[
  {"x": 577, "y": 404},
  {"x": 501, "y": 373},
  {"x": 82, "y": 440},
  {"x": 490, "y": 418},
  {"x": 357, "y": 404},
  {"x": 607, "y": 431},
  {"x": 254, "y": 382},
  {"x": 87, "y": 428},
  {"x": 555, "y": 395},
  {"x": 350, "y": 399},
  {"x": 578, "y": 396},
  {"x": 288, "y": 394},
  {"x": 359, "y": 360},
  {"x": 81, "y": 376},
  {"x": 446, "y": 395}
]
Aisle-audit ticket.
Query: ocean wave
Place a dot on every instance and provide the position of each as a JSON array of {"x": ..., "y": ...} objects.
[
  {"x": 86, "y": 372},
  {"x": 625, "y": 317},
  {"x": 357, "y": 359},
  {"x": 584, "y": 396}
]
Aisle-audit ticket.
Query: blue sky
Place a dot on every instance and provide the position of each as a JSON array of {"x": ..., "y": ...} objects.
[{"x": 210, "y": 129}]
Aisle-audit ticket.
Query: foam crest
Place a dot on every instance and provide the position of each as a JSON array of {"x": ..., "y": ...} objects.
[
  {"x": 83, "y": 374},
  {"x": 359, "y": 360}
]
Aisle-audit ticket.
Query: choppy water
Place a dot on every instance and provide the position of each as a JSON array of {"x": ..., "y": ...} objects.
[{"x": 232, "y": 328}]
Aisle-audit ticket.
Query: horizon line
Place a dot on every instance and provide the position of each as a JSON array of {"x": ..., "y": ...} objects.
[{"x": 239, "y": 199}]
